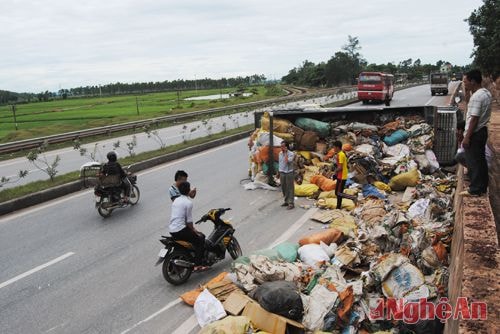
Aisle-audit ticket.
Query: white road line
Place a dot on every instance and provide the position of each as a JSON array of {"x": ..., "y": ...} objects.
[
  {"x": 152, "y": 170},
  {"x": 34, "y": 270},
  {"x": 187, "y": 326},
  {"x": 191, "y": 323},
  {"x": 285, "y": 236},
  {"x": 169, "y": 305},
  {"x": 428, "y": 102}
]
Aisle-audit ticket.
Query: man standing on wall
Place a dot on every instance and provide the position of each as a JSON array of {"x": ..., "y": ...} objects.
[
  {"x": 285, "y": 172},
  {"x": 476, "y": 134}
]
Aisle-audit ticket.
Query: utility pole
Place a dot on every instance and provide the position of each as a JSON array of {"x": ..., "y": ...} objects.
[
  {"x": 137, "y": 105},
  {"x": 14, "y": 113}
]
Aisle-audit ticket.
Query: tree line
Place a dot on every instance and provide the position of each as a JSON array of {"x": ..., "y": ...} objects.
[
  {"x": 120, "y": 88},
  {"x": 344, "y": 67}
]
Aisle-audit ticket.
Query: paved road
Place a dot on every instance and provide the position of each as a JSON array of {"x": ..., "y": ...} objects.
[
  {"x": 64, "y": 269},
  {"x": 420, "y": 95},
  {"x": 71, "y": 160}
]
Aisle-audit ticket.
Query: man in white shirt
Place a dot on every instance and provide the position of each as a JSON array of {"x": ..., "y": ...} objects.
[
  {"x": 181, "y": 223},
  {"x": 476, "y": 134},
  {"x": 286, "y": 174}
]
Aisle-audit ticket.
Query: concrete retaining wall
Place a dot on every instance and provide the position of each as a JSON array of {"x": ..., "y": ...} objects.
[{"x": 474, "y": 252}]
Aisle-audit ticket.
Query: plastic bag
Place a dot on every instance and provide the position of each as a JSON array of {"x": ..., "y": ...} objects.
[
  {"x": 305, "y": 190},
  {"x": 396, "y": 137},
  {"x": 321, "y": 300},
  {"x": 382, "y": 186},
  {"x": 331, "y": 203},
  {"x": 403, "y": 180},
  {"x": 308, "y": 141},
  {"x": 309, "y": 124},
  {"x": 418, "y": 208},
  {"x": 280, "y": 297},
  {"x": 287, "y": 251},
  {"x": 279, "y": 124},
  {"x": 228, "y": 325},
  {"x": 208, "y": 309},
  {"x": 327, "y": 236},
  {"x": 312, "y": 254},
  {"x": 324, "y": 183}
]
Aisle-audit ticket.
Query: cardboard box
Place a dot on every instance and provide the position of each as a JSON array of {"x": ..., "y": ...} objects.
[
  {"x": 270, "y": 322},
  {"x": 236, "y": 302}
]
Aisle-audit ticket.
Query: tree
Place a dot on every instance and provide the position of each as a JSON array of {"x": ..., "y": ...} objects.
[
  {"x": 38, "y": 158},
  {"x": 485, "y": 29},
  {"x": 338, "y": 69}
]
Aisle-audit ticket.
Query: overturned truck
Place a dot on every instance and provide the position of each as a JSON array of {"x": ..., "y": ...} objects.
[{"x": 390, "y": 255}]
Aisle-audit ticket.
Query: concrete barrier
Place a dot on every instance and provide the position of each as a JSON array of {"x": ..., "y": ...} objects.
[{"x": 68, "y": 188}]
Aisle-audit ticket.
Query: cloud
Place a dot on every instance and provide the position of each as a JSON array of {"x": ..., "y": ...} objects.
[{"x": 53, "y": 43}]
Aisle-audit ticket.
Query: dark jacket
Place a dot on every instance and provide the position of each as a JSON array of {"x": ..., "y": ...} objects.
[{"x": 113, "y": 168}]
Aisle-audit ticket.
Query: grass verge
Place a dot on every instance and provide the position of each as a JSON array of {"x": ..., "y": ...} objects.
[{"x": 32, "y": 187}]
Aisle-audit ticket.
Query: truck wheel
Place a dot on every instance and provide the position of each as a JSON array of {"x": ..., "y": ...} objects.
[
  {"x": 445, "y": 92},
  {"x": 433, "y": 93}
]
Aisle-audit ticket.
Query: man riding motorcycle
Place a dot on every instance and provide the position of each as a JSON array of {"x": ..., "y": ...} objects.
[
  {"x": 112, "y": 167},
  {"x": 181, "y": 224}
]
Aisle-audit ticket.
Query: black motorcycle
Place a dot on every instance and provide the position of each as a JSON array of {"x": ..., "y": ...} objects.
[
  {"x": 178, "y": 256},
  {"x": 109, "y": 194},
  {"x": 108, "y": 189}
]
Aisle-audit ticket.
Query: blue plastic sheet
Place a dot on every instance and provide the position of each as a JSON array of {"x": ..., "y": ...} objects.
[{"x": 370, "y": 190}]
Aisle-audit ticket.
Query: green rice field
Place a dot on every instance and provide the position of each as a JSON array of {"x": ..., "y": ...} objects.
[{"x": 58, "y": 116}]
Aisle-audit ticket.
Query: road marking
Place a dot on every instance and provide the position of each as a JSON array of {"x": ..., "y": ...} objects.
[
  {"x": 169, "y": 305},
  {"x": 285, "y": 236},
  {"x": 187, "y": 326},
  {"x": 151, "y": 170},
  {"x": 191, "y": 323},
  {"x": 34, "y": 270},
  {"x": 428, "y": 102}
]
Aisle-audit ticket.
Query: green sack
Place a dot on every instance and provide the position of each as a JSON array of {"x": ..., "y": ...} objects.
[
  {"x": 287, "y": 251},
  {"x": 309, "y": 124}
]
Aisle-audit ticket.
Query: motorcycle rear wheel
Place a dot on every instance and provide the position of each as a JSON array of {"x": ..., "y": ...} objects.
[
  {"x": 174, "y": 274},
  {"x": 234, "y": 248},
  {"x": 105, "y": 213},
  {"x": 133, "y": 200}
]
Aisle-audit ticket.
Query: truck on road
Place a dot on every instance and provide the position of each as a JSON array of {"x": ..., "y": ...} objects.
[{"x": 439, "y": 83}]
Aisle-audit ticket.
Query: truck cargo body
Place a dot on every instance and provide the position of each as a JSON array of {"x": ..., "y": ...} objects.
[
  {"x": 439, "y": 83},
  {"x": 443, "y": 120}
]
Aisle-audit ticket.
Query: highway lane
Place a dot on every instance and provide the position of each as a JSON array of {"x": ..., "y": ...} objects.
[
  {"x": 417, "y": 96},
  {"x": 71, "y": 160},
  {"x": 65, "y": 270},
  {"x": 109, "y": 283}
]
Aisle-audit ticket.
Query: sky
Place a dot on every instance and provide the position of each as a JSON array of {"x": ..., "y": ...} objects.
[{"x": 53, "y": 44}]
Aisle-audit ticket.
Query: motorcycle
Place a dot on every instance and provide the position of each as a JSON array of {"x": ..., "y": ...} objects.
[
  {"x": 178, "y": 256},
  {"x": 109, "y": 194}
]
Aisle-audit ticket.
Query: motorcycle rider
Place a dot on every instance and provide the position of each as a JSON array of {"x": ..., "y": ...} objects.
[
  {"x": 179, "y": 177},
  {"x": 112, "y": 167},
  {"x": 181, "y": 224}
]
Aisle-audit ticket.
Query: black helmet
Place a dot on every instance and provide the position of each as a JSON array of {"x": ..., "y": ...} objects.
[{"x": 111, "y": 156}]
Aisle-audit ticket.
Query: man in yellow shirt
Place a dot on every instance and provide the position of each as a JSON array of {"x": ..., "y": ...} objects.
[{"x": 340, "y": 172}]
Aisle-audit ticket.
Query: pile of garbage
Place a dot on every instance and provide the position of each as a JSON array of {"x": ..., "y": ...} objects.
[{"x": 387, "y": 248}]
